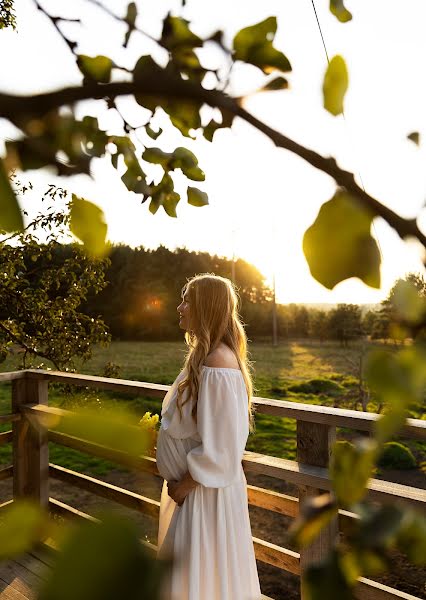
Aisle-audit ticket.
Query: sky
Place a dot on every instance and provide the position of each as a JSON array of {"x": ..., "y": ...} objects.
[{"x": 261, "y": 199}]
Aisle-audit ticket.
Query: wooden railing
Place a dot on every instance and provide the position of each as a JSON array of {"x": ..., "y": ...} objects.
[{"x": 316, "y": 430}]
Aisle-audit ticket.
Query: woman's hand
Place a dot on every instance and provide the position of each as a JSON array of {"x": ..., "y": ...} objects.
[{"x": 178, "y": 490}]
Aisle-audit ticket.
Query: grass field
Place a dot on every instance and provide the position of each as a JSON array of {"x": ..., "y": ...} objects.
[{"x": 299, "y": 371}]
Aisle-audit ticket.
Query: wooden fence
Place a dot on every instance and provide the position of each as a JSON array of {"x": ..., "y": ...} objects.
[{"x": 316, "y": 431}]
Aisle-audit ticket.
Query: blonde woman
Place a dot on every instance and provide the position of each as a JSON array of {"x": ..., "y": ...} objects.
[{"x": 205, "y": 421}]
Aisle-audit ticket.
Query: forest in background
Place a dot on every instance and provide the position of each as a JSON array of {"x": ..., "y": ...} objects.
[{"x": 143, "y": 288}]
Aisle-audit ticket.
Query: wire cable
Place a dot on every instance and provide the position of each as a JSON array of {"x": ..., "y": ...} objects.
[{"x": 343, "y": 114}]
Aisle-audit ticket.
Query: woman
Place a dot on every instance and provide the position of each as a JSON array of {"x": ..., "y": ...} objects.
[{"x": 205, "y": 421}]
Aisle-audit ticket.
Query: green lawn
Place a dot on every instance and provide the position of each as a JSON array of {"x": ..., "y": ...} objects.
[{"x": 300, "y": 371}]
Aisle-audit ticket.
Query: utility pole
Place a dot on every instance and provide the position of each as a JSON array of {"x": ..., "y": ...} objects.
[{"x": 274, "y": 316}]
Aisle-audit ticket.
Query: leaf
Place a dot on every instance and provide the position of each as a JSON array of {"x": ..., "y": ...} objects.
[
  {"x": 153, "y": 134},
  {"x": 279, "y": 83},
  {"x": 379, "y": 526},
  {"x": 97, "y": 68},
  {"x": 338, "y": 9},
  {"x": 132, "y": 14},
  {"x": 169, "y": 203},
  {"x": 196, "y": 197},
  {"x": 88, "y": 225},
  {"x": 176, "y": 33},
  {"x": 335, "y": 85},
  {"x": 411, "y": 538},
  {"x": 110, "y": 562},
  {"x": 156, "y": 156},
  {"x": 351, "y": 467},
  {"x": 398, "y": 379},
  {"x": 10, "y": 212},
  {"x": 188, "y": 163},
  {"x": 327, "y": 580},
  {"x": 408, "y": 302},
  {"x": 314, "y": 515},
  {"x": 414, "y": 137},
  {"x": 339, "y": 244},
  {"x": 253, "y": 45},
  {"x": 22, "y": 525}
]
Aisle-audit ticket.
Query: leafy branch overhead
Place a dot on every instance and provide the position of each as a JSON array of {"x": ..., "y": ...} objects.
[{"x": 182, "y": 87}]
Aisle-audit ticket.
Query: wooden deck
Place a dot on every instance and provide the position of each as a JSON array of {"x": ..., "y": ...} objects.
[{"x": 21, "y": 577}]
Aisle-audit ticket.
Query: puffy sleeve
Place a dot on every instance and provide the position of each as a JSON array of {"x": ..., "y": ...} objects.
[{"x": 222, "y": 423}]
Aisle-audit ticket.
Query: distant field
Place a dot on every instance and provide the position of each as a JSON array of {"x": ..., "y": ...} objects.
[{"x": 300, "y": 371}]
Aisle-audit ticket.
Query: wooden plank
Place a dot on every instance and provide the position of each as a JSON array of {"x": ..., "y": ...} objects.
[
  {"x": 7, "y": 592},
  {"x": 68, "y": 511},
  {"x": 366, "y": 589},
  {"x": 274, "y": 501},
  {"x": 132, "y": 500},
  {"x": 6, "y": 504},
  {"x": 155, "y": 390},
  {"x": 325, "y": 415},
  {"x": 65, "y": 510},
  {"x": 6, "y": 472},
  {"x": 30, "y": 444},
  {"x": 6, "y": 437},
  {"x": 33, "y": 564},
  {"x": 300, "y": 474},
  {"x": 10, "y": 418},
  {"x": 141, "y": 463},
  {"x": 20, "y": 578},
  {"x": 11, "y": 375},
  {"x": 336, "y": 417},
  {"x": 284, "y": 559},
  {"x": 314, "y": 443}
]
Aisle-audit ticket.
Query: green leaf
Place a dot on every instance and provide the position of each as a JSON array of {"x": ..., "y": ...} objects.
[
  {"x": 327, "y": 580},
  {"x": 97, "y": 68},
  {"x": 10, "y": 212},
  {"x": 169, "y": 203},
  {"x": 338, "y": 9},
  {"x": 351, "y": 467},
  {"x": 411, "y": 538},
  {"x": 408, "y": 302},
  {"x": 339, "y": 244},
  {"x": 378, "y": 526},
  {"x": 131, "y": 15},
  {"x": 196, "y": 197},
  {"x": 414, "y": 137},
  {"x": 194, "y": 173},
  {"x": 176, "y": 33},
  {"x": 279, "y": 83},
  {"x": 22, "y": 525},
  {"x": 315, "y": 513},
  {"x": 336, "y": 81},
  {"x": 153, "y": 134},
  {"x": 253, "y": 45},
  {"x": 110, "y": 562},
  {"x": 156, "y": 156},
  {"x": 210, "y": 129},
  {"x": 88, "y": 225},
  {"x": 184, "y": 115},
  {"x": 398, "y": 379}
]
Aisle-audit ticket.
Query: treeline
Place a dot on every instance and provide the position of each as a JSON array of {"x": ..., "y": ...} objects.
[{"x": 144, "y": 288}]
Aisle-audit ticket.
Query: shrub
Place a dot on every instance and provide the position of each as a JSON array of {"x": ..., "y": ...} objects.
[
  {"x": 397, "y": 456},
  {"x": 317, "y": 386}
]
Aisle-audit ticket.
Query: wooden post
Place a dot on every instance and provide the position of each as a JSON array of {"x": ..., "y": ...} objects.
[
  {"x": 314, "y": 443},
  {"x": 30, "y": 444}
]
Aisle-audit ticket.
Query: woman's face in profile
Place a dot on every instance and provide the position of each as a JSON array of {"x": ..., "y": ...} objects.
[{"x": 184, "y": 312}]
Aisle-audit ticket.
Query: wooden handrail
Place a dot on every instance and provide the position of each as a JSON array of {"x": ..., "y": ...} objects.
[
  {"x": 313, "y": 413},
  {"x": 315, "y": 432},
  {"x": 107, "y": 490}
]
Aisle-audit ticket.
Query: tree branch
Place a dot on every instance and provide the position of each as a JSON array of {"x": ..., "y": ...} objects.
[{"x": 19, "y": 109}]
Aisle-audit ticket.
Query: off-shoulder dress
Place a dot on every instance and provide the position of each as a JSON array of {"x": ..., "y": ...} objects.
[{"x": 209, "y": 536}]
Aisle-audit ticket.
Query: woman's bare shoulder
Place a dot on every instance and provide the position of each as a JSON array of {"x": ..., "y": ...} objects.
[{"x": 222, "y": 357}]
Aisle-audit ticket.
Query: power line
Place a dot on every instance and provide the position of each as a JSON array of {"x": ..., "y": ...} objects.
[{"x": 343, "y": 114}]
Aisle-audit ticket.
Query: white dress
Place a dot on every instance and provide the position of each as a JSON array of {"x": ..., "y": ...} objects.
[{"x": 209, "y": 536}]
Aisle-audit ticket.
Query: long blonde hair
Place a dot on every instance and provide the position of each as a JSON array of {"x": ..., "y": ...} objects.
[{"x": 214, "y": 318}]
